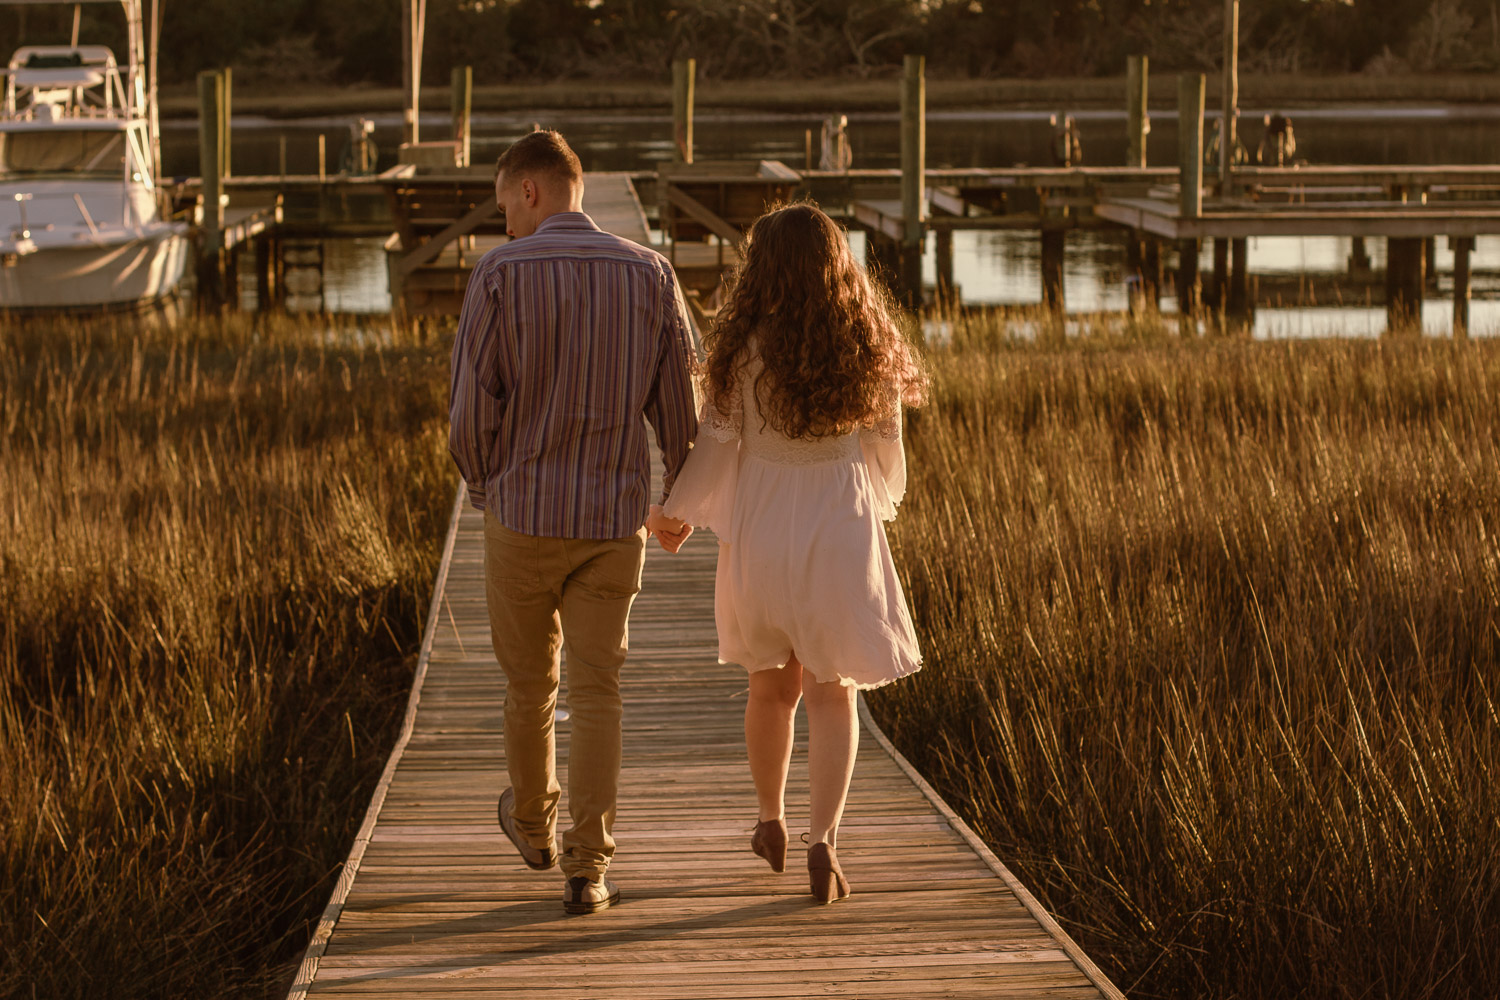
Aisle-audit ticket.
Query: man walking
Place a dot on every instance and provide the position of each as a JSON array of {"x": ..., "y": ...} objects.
[{"x": 569, "y": 337}]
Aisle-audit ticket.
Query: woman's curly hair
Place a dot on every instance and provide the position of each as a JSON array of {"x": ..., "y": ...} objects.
[{"x": 834, "y": 358}]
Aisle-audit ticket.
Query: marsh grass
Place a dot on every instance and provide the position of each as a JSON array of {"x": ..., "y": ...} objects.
[
  {"x": 1213, "y": 650},
  {"x": 216, "y": 548}
]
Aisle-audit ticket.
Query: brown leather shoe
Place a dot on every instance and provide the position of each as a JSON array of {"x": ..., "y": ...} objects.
[
  {"x": 769, "y": 842},
  {"x": 823, "y": 871},
  {"x": 582, "y": 894},
  {"x": 536, "y": 858}
]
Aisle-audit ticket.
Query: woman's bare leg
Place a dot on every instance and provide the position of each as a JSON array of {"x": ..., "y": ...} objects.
[
  {"x": 832, "y": 739},
  {"x": 768, "y": 733}
]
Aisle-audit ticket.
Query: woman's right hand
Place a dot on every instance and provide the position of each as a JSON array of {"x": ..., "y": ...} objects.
[{"x": 669, "y": 531}]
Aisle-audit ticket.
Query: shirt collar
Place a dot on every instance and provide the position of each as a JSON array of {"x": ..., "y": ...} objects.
[{"x": 566, "y": 220}]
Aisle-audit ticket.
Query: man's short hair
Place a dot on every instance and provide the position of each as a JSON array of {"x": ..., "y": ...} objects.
[{"x": 543, "y": 152}]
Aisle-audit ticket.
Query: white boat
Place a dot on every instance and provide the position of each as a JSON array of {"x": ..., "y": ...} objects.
[{"x": 81, "y": 221}]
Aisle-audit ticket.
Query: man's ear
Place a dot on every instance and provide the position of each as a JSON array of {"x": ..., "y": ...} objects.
[{"x": 528, "y": 190}]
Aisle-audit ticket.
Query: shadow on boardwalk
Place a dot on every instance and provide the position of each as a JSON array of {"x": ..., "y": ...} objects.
[{"x": 436, "y": 903}]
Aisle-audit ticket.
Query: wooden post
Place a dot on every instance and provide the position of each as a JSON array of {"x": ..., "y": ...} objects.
[
  {"x": 1053, "y": 241},
  {"x": 1239, "y": 279},
  {"x": 1359, "y": 257},
  {"x": 1137, "y": 89},
  {"x": 913, "y": 176},
  {"x": 1151, "y": 272},
  {"x": 1403, "y": 285},
  {"x": 413, "y": 31},
  {"x": 232, "y": 277},
  {"x": 943, "y": 238},
  {"x": 1190, "y": 95},
  {"x": 684, "y": 73},
  {"x": 1215, "y": 297},
  {"x": 226, "y": 109},
  {"x": 1135, "y": 271},
  {"x": 461, "y": 106},
  {"x": 1229, "y": 125},
  {"x": 322, "y": 157},
  {"x": 407, "y": 122},
  {"x": 264, "y": 273},
  {"x": 883, "y": 258},
  {"x": 1463, "y": 247},
  {"x": 211, "y": 232}
]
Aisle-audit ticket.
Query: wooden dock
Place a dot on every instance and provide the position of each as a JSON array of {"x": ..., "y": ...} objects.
[
  {"x": 440, "y": 221},
  {"x": 434, "y": 901},
  {"x": 445, "y": 223}
]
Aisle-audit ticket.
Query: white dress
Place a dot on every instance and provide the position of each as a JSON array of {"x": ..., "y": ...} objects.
[{"x": 804, "y": 565}]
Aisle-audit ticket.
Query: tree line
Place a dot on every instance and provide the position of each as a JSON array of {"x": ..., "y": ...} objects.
[{"x": 302, "y": 42}]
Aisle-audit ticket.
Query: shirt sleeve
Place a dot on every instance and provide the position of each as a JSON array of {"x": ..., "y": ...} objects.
[
  {"x": 476, "y": 400},
  {"x": 672, "y": 408}
]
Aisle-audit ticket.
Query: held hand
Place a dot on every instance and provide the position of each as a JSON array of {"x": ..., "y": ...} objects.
[{"x": 669, "y": 531}]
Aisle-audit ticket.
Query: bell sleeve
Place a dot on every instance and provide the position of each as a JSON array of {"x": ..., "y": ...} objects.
[
  {"x": 703, "y": 494},
  {"x": 880, "y": 442}
]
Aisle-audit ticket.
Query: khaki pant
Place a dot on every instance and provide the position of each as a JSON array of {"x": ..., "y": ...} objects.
[{"x": 546, "y": 594}]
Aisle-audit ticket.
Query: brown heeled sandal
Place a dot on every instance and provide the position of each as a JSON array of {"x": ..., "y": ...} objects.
[
  {"x": 769, "y": 842},
  {"x": 823, "y": 871}
]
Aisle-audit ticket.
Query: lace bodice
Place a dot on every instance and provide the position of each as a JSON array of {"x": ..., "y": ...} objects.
[
  {"x": 745, "y": 423},
  {"x": 705, "y": 491}
]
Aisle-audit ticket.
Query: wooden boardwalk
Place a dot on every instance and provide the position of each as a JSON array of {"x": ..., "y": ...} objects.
[
  {"x": 446, "y": 223},
  {"x": 434, "y": 902}
]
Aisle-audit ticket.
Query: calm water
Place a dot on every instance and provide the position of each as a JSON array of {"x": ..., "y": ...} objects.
[{"x": 990, "y": 268}]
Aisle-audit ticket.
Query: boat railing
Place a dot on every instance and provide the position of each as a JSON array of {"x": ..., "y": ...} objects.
[{"x": 49, "y": 82}]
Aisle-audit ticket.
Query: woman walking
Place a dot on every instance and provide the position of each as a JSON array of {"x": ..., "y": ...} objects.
[{"x": 797, "y": 462}]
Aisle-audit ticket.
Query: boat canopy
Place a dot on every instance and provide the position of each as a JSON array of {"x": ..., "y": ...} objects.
[{"x": 59, "y": 67}]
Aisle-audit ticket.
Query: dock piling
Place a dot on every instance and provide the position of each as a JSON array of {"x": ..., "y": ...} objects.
[
  {"x": 226, "y": 110},
  {"x": 684, "y": 72},
  {"x": 1190, "y": 98},
  {"x": 1216, "y": 296},
  {"x": 211, "y": 231},
  {"x": 1137, "y": 90},
  {"x": 1238, "y": 307},
  {"x": 913, "y": 177},
  {"x": 1463, "y": 248},
  {"x": 1138, "y": 127},
  {"x": 1229, "y": 124},
  {"x": 461, "y": 106},
  {"x": 1053, "y": 294},
  {"x": 413, "y": 32},
  {"x": 1404, "y": 284},
  {"x": 264, "y": 273},
  {"x": 1359, "y": 257},
  {"x": 943, "y": 239}
]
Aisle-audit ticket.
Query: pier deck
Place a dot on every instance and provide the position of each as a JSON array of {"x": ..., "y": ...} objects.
[{"x": 434, "y": 902}]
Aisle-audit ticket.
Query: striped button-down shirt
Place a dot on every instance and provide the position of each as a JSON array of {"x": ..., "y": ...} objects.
[{"x": 569, "y": 337}]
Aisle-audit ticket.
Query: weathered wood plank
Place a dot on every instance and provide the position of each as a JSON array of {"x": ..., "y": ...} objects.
[{"x": 442, "y": 906}]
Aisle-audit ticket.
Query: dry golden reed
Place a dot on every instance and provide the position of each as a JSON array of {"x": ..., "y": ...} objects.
[
  {"x": 216, "y": 547},
  {"x": 1213, "y": 650}
]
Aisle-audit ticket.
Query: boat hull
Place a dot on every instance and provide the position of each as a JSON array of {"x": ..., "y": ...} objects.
[{"x": 129, "y": 273}]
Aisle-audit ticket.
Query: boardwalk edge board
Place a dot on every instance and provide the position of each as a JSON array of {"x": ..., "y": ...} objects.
[
  {"x": 1085, "y": 964},
  {"x": 330, "y": 918}
]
